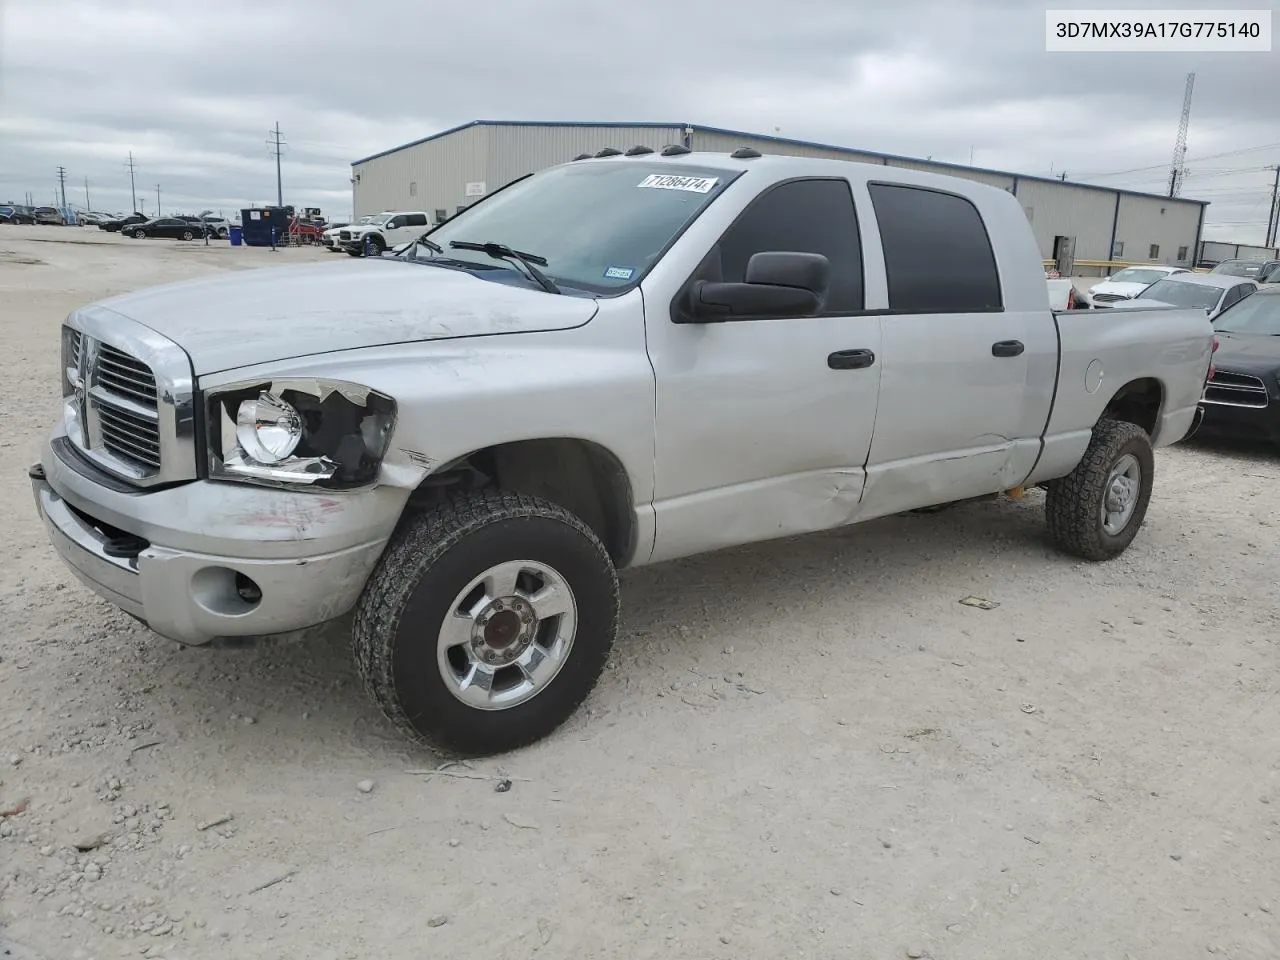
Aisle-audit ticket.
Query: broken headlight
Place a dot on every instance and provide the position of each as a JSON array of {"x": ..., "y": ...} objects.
[{"x": 316, "y": 433}]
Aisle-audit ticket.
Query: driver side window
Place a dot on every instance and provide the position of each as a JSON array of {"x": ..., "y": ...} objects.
[{"x": 801, "y": 216}]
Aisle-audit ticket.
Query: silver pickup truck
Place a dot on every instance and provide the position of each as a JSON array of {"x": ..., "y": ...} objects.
[{"x": 617, "y": 361}]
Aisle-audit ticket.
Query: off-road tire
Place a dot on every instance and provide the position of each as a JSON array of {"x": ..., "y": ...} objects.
[
  {"x": 1073, "y": 506},
  {"x": 429, "y": 560}
]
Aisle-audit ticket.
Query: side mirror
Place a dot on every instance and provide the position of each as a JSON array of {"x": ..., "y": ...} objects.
[{"x": 778, "y": 284}]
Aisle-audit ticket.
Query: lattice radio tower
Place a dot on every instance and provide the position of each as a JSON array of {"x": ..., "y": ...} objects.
[{"x": 1179, "y": 171}]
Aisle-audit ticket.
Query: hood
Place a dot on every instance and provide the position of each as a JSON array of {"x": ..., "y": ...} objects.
[
  {"x": 268, "y": 314},
  {"x": 1247, "y": 352},
  {"x": 1119, "y": 288}
]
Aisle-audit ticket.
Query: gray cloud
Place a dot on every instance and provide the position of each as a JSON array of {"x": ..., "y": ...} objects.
[{"x": 192, "y": 90}]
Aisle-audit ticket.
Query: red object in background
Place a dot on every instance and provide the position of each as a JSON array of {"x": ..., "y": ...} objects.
[{"x": 1212, "y": 368}]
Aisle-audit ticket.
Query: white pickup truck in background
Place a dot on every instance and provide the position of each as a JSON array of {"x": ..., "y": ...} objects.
[{"x": 610, "y": 363}]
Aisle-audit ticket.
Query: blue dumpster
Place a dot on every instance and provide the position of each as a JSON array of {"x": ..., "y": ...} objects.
[{"x": 234, "y": 234}]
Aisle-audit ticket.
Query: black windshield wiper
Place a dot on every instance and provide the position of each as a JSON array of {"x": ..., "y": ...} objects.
[
  {"x": 429, "y": 244},
  {"x": 500, "y": 251}
]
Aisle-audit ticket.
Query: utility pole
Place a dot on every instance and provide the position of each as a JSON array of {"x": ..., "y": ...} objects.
[
  {"x": 157, "y": 199},
  {"x": 87, "y": 208},
  {"x": 62, "y": 185},
  {"x": 132, "y": 189},
  {"x": 1273, "y": 220},
  {"x": 274, "y": 147}
]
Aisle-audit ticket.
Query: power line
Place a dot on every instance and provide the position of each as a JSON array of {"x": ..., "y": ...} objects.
[{"x": 1161, "y": 166}]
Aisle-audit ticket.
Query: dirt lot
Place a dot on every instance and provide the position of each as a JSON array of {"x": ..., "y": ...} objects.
[{"x": 803, "y": 749}]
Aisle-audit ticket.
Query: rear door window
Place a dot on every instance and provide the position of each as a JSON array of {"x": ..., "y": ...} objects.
[{"x": 937, "y": 254}]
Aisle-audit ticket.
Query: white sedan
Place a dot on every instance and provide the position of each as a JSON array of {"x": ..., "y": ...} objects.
[
  {"x": 1212, "y": 292},
  {"x": 1128, "y": 283}
]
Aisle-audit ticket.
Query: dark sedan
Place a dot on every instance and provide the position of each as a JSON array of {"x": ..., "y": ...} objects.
[
  {"x": 1242, "y": 398},
  {"x": 171, "y": 228},
  {"x": 118, "y": 224},
  {"x": 1264, "y": 271}
]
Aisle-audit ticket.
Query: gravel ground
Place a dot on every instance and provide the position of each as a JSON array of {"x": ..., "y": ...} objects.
[{"x": 807, "y": 748}]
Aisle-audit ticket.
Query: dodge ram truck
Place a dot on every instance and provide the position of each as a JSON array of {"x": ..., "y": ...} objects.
[{"x": 617, "y": 361}]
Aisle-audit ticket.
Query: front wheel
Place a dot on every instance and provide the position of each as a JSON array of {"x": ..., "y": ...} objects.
[
  {"x": 188, "y": 235},
  {"x": 487, "y": 622},
  {"x": 139, "y": 234},
  {"x": 1096, "y": 510}
]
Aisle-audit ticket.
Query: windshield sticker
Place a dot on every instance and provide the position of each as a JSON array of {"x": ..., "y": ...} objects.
[
  {"x": 619, "y": 273},
  {"x": 661, "y": 181}
]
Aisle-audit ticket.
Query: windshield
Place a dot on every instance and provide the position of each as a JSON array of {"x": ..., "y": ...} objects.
[
  {"x": 1139, "y": 275},
  {"x": 1258, "y": 314},
  {"x": 379, "y": 219},
  {"x": 1181, "y": 294},
  {"x": 600, "y": 227},
  {"x": 1239, "y": 268}
]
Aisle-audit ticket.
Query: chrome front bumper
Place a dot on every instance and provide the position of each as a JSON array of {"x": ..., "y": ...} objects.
[{"x": 189, "y": 560}]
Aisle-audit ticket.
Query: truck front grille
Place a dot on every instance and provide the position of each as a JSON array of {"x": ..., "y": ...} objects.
[
  {"x": 127, "y": 398},
  {"x": 1236, "y": 390},
  {"x": 344, "y": 234}
]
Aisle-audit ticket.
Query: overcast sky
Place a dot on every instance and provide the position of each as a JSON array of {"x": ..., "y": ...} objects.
[{"x": 192, "y": 89}]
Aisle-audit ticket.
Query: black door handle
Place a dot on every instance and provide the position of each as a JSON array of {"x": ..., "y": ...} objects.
[
  {"x": 851, "y": 359},
  {"x": 1008, "y": 348}
]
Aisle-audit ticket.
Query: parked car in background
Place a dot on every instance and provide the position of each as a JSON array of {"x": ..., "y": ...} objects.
[
  {"x": 1251, "y": 269},
  {"x": 221, "y": 226},
  {"x": 1128, "y": 283},
  {"x": 119, "y": 223},
  {"x": 170, "y": 228},
  {"x": 16, "y": 213},
  {"x": 329, "y": 238},
  {"x": 383, "y": 231},
  {"x": 1211, "y": 292},
  {"x": 1271, "y": 275},
  {"x": 90, "y": 218},
  {"x": 462, "y": 449},
  {"x": 49, "y": 216},
  {"x": 1242, "y": 397}
]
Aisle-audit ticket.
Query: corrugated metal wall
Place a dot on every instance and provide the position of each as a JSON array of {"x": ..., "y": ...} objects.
[
  {"x": 1059, "y": 209},
  {"x": 1157, "y": 230},
  {"x": 427, "y": 176},
  {"x": 516, "y": 151},
  {"x": 715, "y": 142}
]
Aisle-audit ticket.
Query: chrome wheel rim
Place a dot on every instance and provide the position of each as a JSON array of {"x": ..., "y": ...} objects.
[
  {"x": 1120, "y": 496},
  {"x": 507, "y": 634}
]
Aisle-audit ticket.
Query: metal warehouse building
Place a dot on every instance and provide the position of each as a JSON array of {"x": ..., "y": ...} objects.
[{"x": 1080, "y": 226}]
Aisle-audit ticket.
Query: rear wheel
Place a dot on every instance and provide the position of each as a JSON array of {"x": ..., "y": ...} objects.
[
  {"x": 487, "y": 622},
  {"x": 188, "y": 235},
  {"x": 1096, "y": 510}
]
